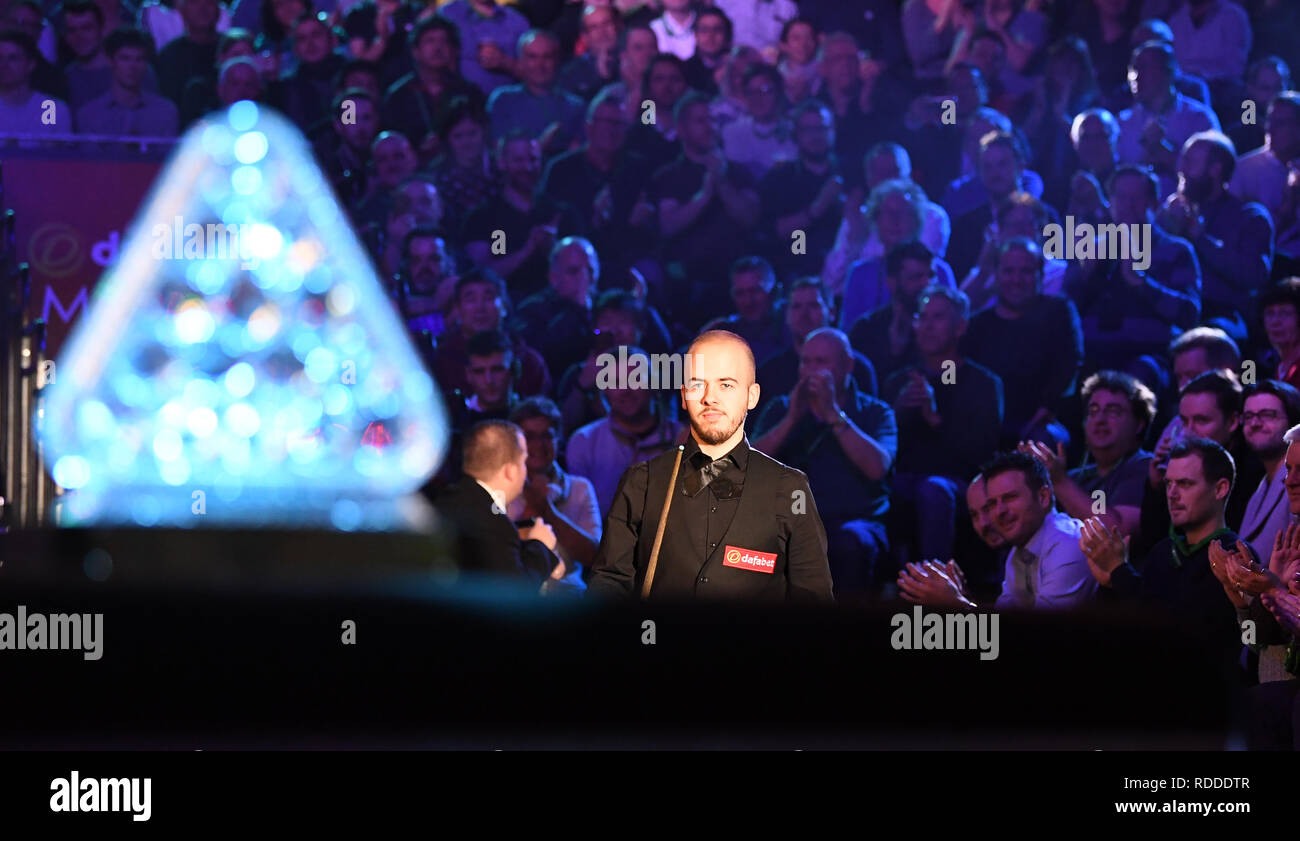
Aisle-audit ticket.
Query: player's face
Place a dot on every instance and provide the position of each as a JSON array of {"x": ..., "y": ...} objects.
[{"x": 720, "y": 390}]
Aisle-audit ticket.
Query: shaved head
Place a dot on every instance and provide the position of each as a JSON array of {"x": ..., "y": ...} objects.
[
  {"x": 720, "y": 389},
  {"x": 726, "y": 336}
]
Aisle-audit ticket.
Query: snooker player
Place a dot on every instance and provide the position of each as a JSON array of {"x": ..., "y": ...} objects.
[{"x": 740, "y": 524}]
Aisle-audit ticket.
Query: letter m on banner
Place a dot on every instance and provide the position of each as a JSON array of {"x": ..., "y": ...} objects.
[{"x": 52, "y": 300}]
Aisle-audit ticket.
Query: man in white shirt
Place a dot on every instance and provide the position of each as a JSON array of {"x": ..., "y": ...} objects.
[{"x": 675, "y": 29}]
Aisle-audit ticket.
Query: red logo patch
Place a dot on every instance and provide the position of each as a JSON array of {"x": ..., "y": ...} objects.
[{"x": 735, "y": 556}]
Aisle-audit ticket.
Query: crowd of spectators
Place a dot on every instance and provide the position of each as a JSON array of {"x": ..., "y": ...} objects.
[{"x": 863, "y": 190}]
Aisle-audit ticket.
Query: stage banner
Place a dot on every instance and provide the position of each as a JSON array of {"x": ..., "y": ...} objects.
[{"x": 72, "y": 216}]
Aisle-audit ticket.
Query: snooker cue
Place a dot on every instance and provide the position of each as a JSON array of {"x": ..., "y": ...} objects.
[{"x": 663, "y": 521}]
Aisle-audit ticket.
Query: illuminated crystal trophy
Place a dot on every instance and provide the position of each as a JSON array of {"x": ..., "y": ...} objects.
[{"x": 241, "y": 364}]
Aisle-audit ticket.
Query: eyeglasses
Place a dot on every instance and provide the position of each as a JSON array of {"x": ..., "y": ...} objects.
[
  {"x": 1266, "y": 415},
  {"x": 1114, "y": 411}
]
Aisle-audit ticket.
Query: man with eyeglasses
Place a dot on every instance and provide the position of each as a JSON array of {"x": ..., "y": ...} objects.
[
  {"x": 1119, "y": 411},
  {"x": 1271, "y": 408},
  {"x": 704, "y": 69}
]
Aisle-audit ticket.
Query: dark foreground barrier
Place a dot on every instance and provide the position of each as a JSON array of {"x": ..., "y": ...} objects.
[{"x": 302, "y": 639}]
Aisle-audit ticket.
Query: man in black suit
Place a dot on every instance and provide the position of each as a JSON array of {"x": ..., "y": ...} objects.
[
  {"x": 741, "y": 525},
  {"x": 486, "y": 540}
]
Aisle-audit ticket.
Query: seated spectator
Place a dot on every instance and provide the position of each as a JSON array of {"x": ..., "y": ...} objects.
[
  {"x": 937, "y": 144},
  {"x": 1269, "y": 409},
  {"x": 857, "y": 238},
  {"x": 1260, "y": 176},
  {"x": 1095, "y": 137},
  {"x": 537, "y": 106},
  {"x": 637, "y": 47},
  {"x": 1233, "y": 239},
  {"x": 478, "y": 304},
  {"x": 1188, "y": 84},
  {"x": 758, "y": 318},
  {"x": 729, "y": 105},
  {"x": 1118, "y": 416},
  {"x": 557, "y": 320},
  {"x": 852, "y": 88},
  {"x": 1279, "y": 306},
  {"x": 664, "y": 85},
  {"x": 1129, "y": 311},
  {"x": 565, "y": 502},
  {"x": 415, "y": 103},
  {"x": 705, "y": 68},
  {"x": 887, "y": 335},
  {"x": 200, "y": 94},
  {"x": 24, "y": 110},
  {"x": 804, "y": 195},
  {"x": 273, "y": 23},
  {"x": 807, "y": 308},
  {"x": 639, "y": 426},
  {"x": 165, "y": 22},
  {"x": 495, "y": 458},
  {"x": 305, "y": 94},
  {"x": 239, "y": 80},
  {"x": 619, "y": 319},
  {"x": 344, "y": 153},
  {"x": 949, "y": 413},
  {"x": 491, "y": 33},
  {"x": 463, "y": 172},
  {"x": 763, "y": 136},
  {"x": 192, "y": 54},
  {"x": 675, "y": 28},
  {"x": 1175, "y": 576},
  {"x": 1265, "y": 79},
  {"x": 393, "y": 161},
  {"x": 798, "y": 66},
  {"x": 88, "y": 72},
  {"x": 759, "y": 26},
  {"x": 415, "y": 203},
  {"x": 584, "y": 75},
  {"x": 1212, "y": 40},
  {"x": 1001, "y": 165},
  {"x": 707, "y": 205},
  {"x": 528, "y": 222},
  {"x": 896, "y": 212},
  {"x": 846, "y": 442},
  {"x": 968, "y": 191},
  {"x": 1208, "y": 407},
  {"x": 359, "y": 73},
  {"x": 1067, "y": 88},
  {"x": 1035, "y": 385},
  {"x": 425, "y": 284},
  {"x": 27, "y": 17},
  {"x": 1021, "y": 215},
  {"x": 1161, "y": 119},
  {"x": 126, "y": 109},
  {"x": 376, "y": 31},
  {"x": 604, "y": 182}
]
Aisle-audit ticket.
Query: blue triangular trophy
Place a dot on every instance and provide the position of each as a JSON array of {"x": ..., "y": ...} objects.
[{"x": 241, "y": 364}]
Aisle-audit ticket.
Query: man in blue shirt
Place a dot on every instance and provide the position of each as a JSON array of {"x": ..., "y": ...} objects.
[
  {"x": 536, "y": 105},
  {"x": 846, "y": 442},
  {"x": 489, "y": 34}
]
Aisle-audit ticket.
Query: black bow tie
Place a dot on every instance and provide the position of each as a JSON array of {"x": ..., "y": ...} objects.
[{"x": 702, "y": 477}]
